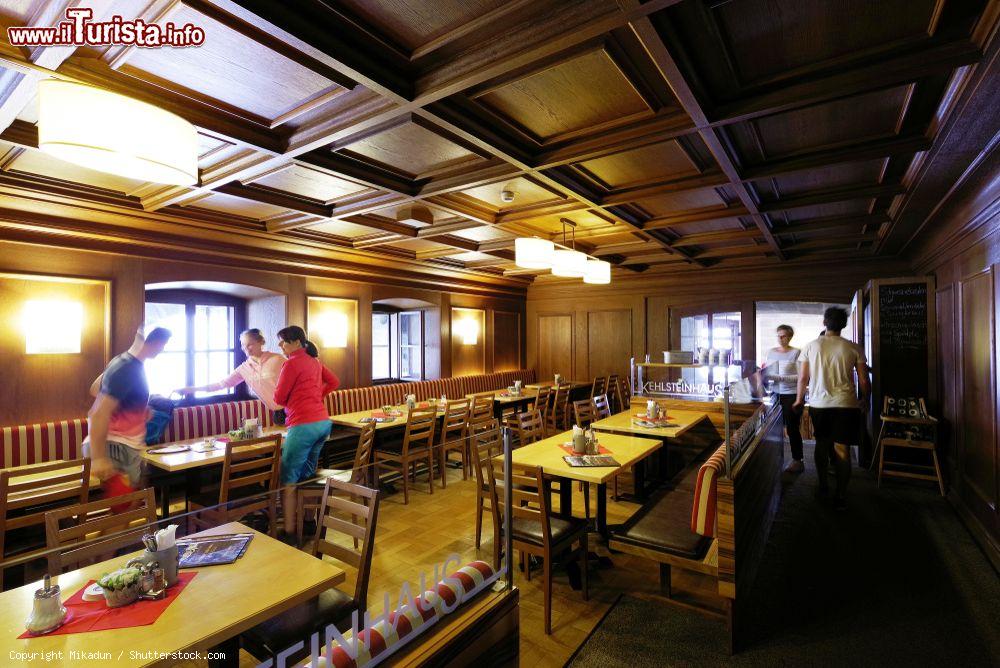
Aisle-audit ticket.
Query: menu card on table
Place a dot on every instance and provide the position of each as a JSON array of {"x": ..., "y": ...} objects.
[
  {"x": 212, "y": 550},
  {"x": 590, "y": 460}
]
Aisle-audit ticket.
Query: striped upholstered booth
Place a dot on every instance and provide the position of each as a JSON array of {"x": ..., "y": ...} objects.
[
  {"x": 706, "y": 493},
  {"x": 34, "y": 443},
  {"x": 212, "y": 419}
]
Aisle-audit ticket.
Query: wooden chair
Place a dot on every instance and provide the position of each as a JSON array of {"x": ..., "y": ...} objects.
[
  {"x": 530, "y": 427},
  {"x": 27, "y": 492},
  {"x": 541, "y": 403},
  {"x": 583, "y": 413},
  {"x": 600, "y": 386},
  {"x": 622, "y": 395},
  {"x": 454, "y": 437},
  {"x": 926, "y": 443},
  {"x": 486, "y": 445},
  {"x": 417, "y": 445},
  {"x": 610, "y": 389},
  {"x": 333, "y": 606},
  {"x": 601, "y": 406},
  {"x": 250, "y": 481},
  {"x": 558, "y": 414},
  {"x": 76, "y": 545},
  {"x": 536, "y": 533},
  {"x": 309, "y": 495},
  {"x": 482, "y": 407}
]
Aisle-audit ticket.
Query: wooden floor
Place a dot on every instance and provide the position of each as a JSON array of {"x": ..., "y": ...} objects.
[{"x": 413, "y": 538}]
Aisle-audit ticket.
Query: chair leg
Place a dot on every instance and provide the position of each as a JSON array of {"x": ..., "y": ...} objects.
[
  {"x": 583, "y": 566},
  {"x": 441, "y": 465},
  {"x": 881, "y": 465},
  {"x": 430, "y": 470},
  {"x": 406, "y": 481},
  {"x": 300, "y": 519},
  {"x": 526, "y": 565},
  {"x": 479, "y": 517},
  {"x": 937, "y": 470}
]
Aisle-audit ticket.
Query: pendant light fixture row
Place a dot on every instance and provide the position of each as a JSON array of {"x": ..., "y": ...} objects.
[{"x": 535, "y": 253}]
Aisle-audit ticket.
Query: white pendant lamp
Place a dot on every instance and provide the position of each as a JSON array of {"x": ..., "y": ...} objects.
[
  {"x": 112, "y": 133},
  {"x": 598, "y": 272},
  {"x": 533, "y": 253},
  {"x": 568, "y": 263}
]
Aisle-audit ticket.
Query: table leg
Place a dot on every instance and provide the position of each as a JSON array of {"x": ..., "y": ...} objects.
[
  {"x": 164, "y": 497},
  {"x": 566, "y": 496},
  {"x": 639, "y": 479},
  {"x": 602, "y": 510},
  {"x": 226, "y": 654}
]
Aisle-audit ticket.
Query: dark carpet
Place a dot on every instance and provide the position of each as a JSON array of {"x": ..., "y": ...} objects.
[{"x": 895, "y": 580}]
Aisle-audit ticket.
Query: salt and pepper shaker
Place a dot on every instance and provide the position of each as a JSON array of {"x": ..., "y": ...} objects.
[{"x": 47, "y": 613}]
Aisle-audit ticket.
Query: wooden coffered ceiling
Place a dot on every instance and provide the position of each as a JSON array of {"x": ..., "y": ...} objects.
[{"x": 673, "y": 135}]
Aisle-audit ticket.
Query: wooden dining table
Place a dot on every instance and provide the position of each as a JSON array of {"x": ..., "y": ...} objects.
[
  {"x": 208, "y": 615},
  {"x": 548, "y": 454},
  {"x": 186, "y": 464},
  {"x": 502, "y": 400},
  {"x": 24, "y": 498}
]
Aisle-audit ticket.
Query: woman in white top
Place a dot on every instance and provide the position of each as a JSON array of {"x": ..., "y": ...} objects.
[
  {"x": 781, "y": 367},
  {"x": 260, "y": 372}
]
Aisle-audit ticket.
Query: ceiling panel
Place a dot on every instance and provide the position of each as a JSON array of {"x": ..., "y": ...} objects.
[
  {"x": 412, "y": 150},
  {"x": 305, "y": 182},
  {"x": 238, "y": 206},
  {"x": 576, "y": 94},
  {"x": 416, "y": 22},
  {"x": 230, "y": 68},
  {"x": 342, "y": 228},
  {"x": 835, "y": 176},
  {"x": 483, "y": 233},
  {"x": 665, "y": 159},
  {"x": 526, "y": 192},
  {"x": 671, "y": 203},
  {"x": 37, "y": 162},
  {"x": 852, "y": 208}
]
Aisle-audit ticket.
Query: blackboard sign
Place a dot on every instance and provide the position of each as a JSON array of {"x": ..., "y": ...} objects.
[{"x": 902, "y": 338}]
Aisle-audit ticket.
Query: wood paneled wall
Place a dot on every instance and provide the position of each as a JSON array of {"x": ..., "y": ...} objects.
[
  {"x": 582, "y": 331},
  {"x": 468, "y": 359},
  {"x": 962, "y": 250},
  {"x": 34, "y": 384},
  {"x": 129, "y": 275},
  {"x": 344, "y": 360}
]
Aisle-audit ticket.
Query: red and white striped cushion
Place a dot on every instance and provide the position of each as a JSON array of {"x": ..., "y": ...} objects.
[
  {"x": 43, "y": 442},
  {"x": 387, "y": 634},
  {"x": 706, "y": 493},
  {"x": 199, "y": 421}
]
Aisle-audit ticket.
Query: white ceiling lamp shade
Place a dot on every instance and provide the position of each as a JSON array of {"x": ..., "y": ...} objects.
[
  {"x": 533, "y": 253},
  {"x": 598, "y": 272},
  {"x": 568, "y": 263},
  {"x": 112, "y": 133}
]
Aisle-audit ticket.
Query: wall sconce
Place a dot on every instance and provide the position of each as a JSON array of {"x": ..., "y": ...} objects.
[
  {"x": 468, "y": 331},
  {"x": 332, "y": 329},
  {"x": 51, "y": 326}
]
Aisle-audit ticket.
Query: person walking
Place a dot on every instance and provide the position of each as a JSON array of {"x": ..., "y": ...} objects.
[
  {"x": 781, "y": 367},
  {"x": 260, "y": 372},
  {"x": 117, "y": 420},
  {"x": 301, "y": 386},
  {"x": 829, "y": 366}
]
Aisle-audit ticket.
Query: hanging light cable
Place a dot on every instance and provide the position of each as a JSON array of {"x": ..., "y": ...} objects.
[{"x": 568, "y": 263}]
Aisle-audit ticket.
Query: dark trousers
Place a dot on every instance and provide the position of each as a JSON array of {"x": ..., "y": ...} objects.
[{"x": 792, "y": 418}]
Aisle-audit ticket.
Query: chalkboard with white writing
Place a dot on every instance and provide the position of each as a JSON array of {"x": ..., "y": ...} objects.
[{"x": 902, "y": 337}]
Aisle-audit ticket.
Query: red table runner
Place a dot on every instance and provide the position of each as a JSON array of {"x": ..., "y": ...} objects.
[{"x": 86, "y": 616}]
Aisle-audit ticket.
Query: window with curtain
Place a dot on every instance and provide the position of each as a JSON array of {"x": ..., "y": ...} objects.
[{"x": 204, "y": 343}]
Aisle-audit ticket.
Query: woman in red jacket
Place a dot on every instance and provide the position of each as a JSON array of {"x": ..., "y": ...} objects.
[{"x": 302, "y": 384}]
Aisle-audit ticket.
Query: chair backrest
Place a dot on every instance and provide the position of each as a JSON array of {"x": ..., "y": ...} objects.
[
  {"x": 253, "y": 462},
  {"x": 66, "y": 527},
  {"x": 363, "y": 455},
  {"x": 600, "y": 386},
  {"x": 530, "y": 427},
  {"x": 420, "y": 425},
  {"x": 602, "y": 407},
  {"x": 361, "y": 505},
  {"x": 542, "y": 400},
  {"x": 583, "y": 412},
  {"x": 486, "y": 445},
  {"x": 611, "y": 388},
  {"x": 623, "y": 394},
  {"x": 31, "y": 490},
  {"x": 559, "y": 405},
  {"x": 528, "y": 497},
  {"x": 482, "y": 407},
  {"x": 455, "y": 425}
]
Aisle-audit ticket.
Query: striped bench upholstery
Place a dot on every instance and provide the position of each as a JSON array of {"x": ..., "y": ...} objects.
[
  {"x": 402, "y": 624},
  {"x": 706, "y": 493},
  {"x": 212, "y": 419},
  {"x": 43, "y": 442}
]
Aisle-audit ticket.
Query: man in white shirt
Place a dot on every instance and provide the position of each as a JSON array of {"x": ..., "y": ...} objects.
[{"x": 829, "y": 365}]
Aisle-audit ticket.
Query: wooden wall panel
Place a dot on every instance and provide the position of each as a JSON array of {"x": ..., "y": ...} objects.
[
  {"x": 609, "y": 342},
  {"x": 37, "y": 386},
  {"x": 268, "y": 314},
  {"x": 468, "y": 359},
  {"x": 978, "y": 413},
  {"x": 948, "y": 373},
  {"x": 555, "y": 346},
  {"x": 506, "y": 340},
  {"x": 342, "y": 360}
]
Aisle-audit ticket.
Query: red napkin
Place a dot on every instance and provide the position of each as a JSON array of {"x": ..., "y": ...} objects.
[
  {"x": 117, "y": 485},
  {"x": 86, "y": 616},
  {"x": 380, "y": 414},
  {"x": 643, "y": 416},
  {"x": 568, "y": 447}
]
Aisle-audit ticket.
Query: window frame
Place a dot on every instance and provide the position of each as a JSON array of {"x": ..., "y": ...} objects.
[
  {"x": 389, "y": 346},
  {"x": 190, "y": 299},
  {"x": 395, "y": 358},
  {"x": 418, "y": 348}
]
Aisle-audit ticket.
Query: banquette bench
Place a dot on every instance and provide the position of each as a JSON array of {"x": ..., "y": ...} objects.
[
  {"x": 712, "y": 523},
  {"x": 48, "y": 441}
]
